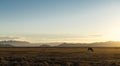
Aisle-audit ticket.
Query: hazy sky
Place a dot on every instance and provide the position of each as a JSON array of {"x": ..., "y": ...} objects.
[{"x": 60, "y": 20}]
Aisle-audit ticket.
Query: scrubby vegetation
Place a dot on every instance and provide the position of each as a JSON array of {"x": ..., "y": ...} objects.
[{"x": 58, "y": 57}]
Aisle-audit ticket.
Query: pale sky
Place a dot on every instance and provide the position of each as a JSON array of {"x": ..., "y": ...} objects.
[{"x": 60, "y": 20}]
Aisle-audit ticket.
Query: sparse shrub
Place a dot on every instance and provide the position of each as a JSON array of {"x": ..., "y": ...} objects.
[{"x": 46, "y": 63}]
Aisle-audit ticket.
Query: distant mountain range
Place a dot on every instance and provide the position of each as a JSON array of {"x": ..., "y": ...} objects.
[
  {"x": 96, "y": 44},
  {"x": 6, "y": 45},
  {"x": 13, "y": 43}
]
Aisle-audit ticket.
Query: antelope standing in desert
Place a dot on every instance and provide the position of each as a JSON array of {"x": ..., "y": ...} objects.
[{"x": 90, "y": 49}]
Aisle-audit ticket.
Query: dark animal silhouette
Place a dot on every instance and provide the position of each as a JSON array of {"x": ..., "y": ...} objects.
[{"x": 90, "y": 49}]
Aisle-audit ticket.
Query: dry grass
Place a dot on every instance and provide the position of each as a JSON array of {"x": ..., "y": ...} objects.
[{"x": 60, "y": 56}]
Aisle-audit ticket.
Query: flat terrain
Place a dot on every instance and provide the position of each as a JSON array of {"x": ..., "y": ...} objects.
[{"x": 59, "y": 57}]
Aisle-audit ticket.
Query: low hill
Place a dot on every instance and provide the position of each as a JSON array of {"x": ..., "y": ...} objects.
[{"x": 45, "y": 45}]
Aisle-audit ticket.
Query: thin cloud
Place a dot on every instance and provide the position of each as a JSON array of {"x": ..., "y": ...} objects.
[
  {"x": 10, "y": 38},
  {"x": 95, "y": 35}
]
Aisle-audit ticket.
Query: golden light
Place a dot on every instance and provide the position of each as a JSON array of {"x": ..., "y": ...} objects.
[{"x": 114, "y": 34}]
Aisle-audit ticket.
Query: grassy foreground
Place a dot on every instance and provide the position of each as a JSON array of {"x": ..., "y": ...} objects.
[{"x": 59, "y": 57}]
